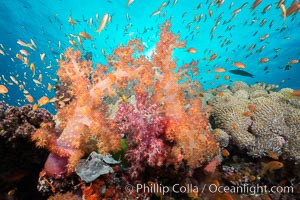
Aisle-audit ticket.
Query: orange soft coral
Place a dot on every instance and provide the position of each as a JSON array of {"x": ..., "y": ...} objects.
[
  {"x": 84, "y": 119},
  {"x": 187, "y": 126}
]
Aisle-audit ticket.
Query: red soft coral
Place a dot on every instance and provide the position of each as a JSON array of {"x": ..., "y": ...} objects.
[{"x": 144, "y": 129}]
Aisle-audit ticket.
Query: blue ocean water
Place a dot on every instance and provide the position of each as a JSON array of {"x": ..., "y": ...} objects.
[{"x": 46, "y": 23}]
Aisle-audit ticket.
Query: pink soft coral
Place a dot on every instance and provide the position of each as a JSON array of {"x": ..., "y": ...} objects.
[{"x": 144, "y": 129}]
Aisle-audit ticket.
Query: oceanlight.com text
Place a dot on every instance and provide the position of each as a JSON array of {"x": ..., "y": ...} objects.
[{"x": 249, "y": 189}]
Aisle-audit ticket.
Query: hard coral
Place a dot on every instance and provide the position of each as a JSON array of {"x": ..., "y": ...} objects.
[
  {"x": 21, "y": 122},
  {"x": 228, "y": 115},
  {"x": 261, "y": 122}
]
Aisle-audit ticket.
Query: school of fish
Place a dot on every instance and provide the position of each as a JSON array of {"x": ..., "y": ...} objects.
[{"x": 39, "y": 75}]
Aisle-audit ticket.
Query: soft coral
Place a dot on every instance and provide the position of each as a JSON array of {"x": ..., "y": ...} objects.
[{"x": 144, "y": 129}]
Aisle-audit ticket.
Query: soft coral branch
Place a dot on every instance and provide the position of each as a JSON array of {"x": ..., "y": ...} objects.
[{"x": 187, "y": 125}]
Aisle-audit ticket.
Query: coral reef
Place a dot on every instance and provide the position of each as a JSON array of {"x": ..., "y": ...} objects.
[
  {"x": 84, "y": 124},
  {"x": 137, "y": 121}
]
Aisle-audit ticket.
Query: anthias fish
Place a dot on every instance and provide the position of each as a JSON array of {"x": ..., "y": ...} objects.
[{"x": 241, "y": 73}]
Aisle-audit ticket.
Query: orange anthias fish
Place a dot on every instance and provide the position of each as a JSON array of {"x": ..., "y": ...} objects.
[
  {"x": 71, "y": 21},
  {"x": 42, "y": 56},
  {"x": 226, "y": 77},
  {"x": 296, "y": 93},
  {"x": 3, "y": 89},
  {"x": 29, "y": 98},
  {"x": 49, "y": 87},
  {"x": 225, "y": 153},
  {"x": 272, "y": 155},
  {"x": 251, "y": 107},
  {"x": 239, "y": 65},
  {"x": 247, "y": 114},
  {"x": 212, "y": 57},
  {"x": 270, "y": 167},
  {"x": 25, "y": 61},
  {"x": 73, "y": 43},
  {"x": 20, "y": 57},
  {"x": 267, "y": 8},
  {"x": 155, "y": 13},
  {"x": 24, "y": 52},
  {"x": 220, "y": 69},
  {"x": 293, "y": 62},
  {"x": 192, "y": 50},
  {"x": 2, "y": 52},
  {"x": 35, "y": 107},
  {"x": 264, "y": 60},
  {"x": 85, "y": 35},
  {"x": 43, "y": 101},
  {"x": 264, "y": 37},
  {"x": 32, "y": 68},
  {"x": 103, "y": 23},
  {"x": 255, "y": 4},
  {"x": 124, "y": 98},
  {"x": 29, "y": 45},
  {"x": 129, "y": 2}
]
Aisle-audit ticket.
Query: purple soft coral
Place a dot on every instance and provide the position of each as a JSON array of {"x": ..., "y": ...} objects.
[{"x": 144, "y": 129}]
